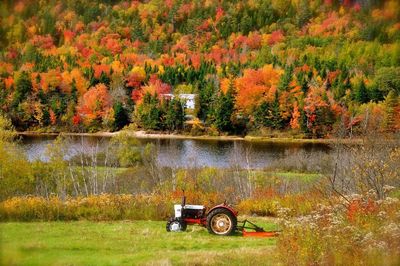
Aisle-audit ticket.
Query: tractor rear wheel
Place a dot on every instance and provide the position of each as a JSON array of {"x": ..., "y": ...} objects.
[
  {"x": 176, "y": 225},
  {"x": 221, "y": 222}
]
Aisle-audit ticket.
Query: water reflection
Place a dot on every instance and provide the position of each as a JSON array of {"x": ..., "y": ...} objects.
[{"x": 186, "y": 153}]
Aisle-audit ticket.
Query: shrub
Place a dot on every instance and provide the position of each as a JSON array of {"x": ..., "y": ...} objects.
[
  {"x": 364, "y": 232},
  {"x": 96, "y": 208}
]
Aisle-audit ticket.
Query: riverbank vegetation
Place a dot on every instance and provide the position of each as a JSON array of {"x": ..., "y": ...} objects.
[
  {"x": 337, "y": 207},
  {"x": 309, "y": 69}
]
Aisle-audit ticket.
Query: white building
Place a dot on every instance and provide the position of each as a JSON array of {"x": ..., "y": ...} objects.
[{"x": 187, "y": 99}]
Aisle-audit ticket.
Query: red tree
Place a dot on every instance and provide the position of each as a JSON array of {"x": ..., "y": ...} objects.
[{"x": 95, "y": 103}]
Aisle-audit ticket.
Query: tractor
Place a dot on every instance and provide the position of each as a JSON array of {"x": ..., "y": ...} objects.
[{"x": 219, "y": 220}]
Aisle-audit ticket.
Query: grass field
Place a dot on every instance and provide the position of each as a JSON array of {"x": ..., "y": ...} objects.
[{"x": 128, "y": 243}]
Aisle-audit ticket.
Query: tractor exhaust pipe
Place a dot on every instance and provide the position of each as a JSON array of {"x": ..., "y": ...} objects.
[{"x": 183, "y": 199}]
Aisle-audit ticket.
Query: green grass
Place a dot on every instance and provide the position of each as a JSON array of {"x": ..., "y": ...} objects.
[
  {"x": 288, "y": 175},
  {"x": 304, "y": 177},
  {"x": 127, "y": 243}
]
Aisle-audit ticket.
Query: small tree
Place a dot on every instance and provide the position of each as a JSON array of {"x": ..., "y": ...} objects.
[
  {"x": 206, "y": 97},
  {"x": 268, "y": 115},
  {"x": 23, "y": 86},
  {"x": 391, "y": 101},
  {"x": 387, "y": 79},
  {"x": 286, "y": 78},
  {"x": 174, "y": 115},
  {"x": 7, "y": 133},
  {"x": 224, "y": 110},
  {"x": 15, "y": 171},
  {"x": 361, "y": 93},
  {"x": 149, "y": 113},
  {"x": 121, "y": 117},
  {"x": 370, "y": 166}
]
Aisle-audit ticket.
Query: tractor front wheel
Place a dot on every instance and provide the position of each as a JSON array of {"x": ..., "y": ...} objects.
[
  {"x": 221, "y": 222},
  {"x": 175, "y": 225}
]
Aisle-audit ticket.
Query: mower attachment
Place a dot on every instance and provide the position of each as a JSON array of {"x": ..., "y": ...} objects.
[{"x": 258, "y": 231}]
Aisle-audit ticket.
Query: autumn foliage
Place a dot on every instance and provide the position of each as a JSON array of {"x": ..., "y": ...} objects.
[
  {"x": 256, "y": 86},
  {"x": 300, "y": 66},
  {"x": 95, "y": 103}
]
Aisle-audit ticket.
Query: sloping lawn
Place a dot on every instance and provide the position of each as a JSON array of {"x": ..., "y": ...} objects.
[{"x": 127, "y": 243}]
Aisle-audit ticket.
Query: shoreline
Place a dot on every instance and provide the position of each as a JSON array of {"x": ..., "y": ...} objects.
[{"x": 144, "y": 135}]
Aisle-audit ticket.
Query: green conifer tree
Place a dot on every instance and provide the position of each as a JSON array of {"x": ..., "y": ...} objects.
[
  {"x": 390, "y": 103},
  {"x": 224, "y": 110},
  {"x": 149, "y": 112},
  {"x": 121, "y": 117},
  {"x": 23, "y": 86},
  {"x": 174, "y": 115},
  {"x": 286, "y": 78},
  {"x": 361, "y": 93}
]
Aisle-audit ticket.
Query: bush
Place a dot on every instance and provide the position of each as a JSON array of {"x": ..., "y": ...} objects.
[
  {"x": 364, "y": 232},
  {"x": 272, "y": 204},
  {"x": 95, "y": 208}
]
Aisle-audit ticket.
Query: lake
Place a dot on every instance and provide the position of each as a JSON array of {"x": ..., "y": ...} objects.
[{"x": 187, "y": 152}]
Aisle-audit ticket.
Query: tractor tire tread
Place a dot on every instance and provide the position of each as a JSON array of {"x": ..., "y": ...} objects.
[{"x": 218, "y": 211}]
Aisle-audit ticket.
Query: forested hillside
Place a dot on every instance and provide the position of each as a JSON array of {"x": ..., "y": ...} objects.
[{"x": 311, "y": 68}]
